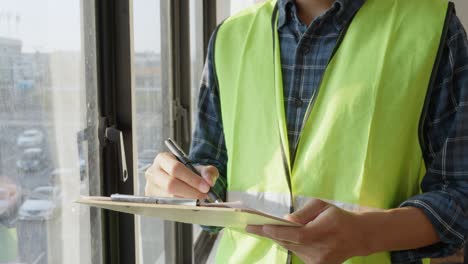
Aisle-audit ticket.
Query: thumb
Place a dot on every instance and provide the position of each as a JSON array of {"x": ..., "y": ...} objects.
[
  {"x": 209, "y": 173},
  {"x": 309, "y": 212}
]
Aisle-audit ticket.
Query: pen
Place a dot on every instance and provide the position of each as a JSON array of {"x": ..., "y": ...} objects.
[{"x": 182, "y": 157}]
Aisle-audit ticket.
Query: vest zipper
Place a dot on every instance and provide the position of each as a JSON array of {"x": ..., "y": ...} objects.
[{"x": 312, "y": 102}]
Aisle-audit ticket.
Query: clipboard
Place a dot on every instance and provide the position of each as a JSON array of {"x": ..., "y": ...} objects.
[{"x": 203, "y": 214}]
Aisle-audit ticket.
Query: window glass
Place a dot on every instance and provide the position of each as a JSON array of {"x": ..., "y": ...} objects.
[
  {"x": 152, "y": 113},
  {"x": 49, "y": 152},
  {"x": 225, "y": 8}
]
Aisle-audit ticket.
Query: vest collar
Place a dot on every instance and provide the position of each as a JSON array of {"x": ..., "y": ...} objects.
[{"x": 345, "y": 10}]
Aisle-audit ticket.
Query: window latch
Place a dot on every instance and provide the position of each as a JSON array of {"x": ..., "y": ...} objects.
[{"x": 116, "y": 136}]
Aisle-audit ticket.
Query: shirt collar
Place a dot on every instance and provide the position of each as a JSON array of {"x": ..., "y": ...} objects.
[{"x": 346, "y": 9}]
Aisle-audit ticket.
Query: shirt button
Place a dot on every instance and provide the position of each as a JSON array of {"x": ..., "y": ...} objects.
[
  {"x": 306, "y": 50},
  {"x": 298, "y": 102}
]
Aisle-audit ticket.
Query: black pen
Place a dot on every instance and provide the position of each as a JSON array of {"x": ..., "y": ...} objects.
[{"x": 182, "y": 157}]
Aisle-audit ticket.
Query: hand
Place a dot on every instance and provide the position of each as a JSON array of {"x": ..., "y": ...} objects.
[
  {"x": 168, "y": 177},
  {"x": 329, "y": 235}
]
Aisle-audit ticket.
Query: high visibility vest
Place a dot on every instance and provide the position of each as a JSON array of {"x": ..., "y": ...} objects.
[{"x": 360, "y": 146}]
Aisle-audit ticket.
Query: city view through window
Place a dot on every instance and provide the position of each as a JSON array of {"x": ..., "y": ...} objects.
[{"x": 47, "y": 119}]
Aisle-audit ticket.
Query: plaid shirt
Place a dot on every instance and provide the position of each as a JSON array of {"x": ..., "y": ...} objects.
[{"x": 305, "y": 51}]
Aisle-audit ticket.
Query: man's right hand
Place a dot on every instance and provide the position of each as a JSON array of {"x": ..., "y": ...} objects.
[{"x": 168, "y": 177}]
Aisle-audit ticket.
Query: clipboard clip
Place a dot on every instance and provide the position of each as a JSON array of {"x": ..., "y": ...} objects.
[{"x": 153, "y": 200}]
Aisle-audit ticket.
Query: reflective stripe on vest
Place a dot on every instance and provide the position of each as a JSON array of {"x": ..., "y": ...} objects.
[
  {"x": 273, "y": 203},
  {"x": 359, "y": 146}
]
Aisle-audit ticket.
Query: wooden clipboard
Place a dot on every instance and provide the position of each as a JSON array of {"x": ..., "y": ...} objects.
[{"x": 208, "y": 216}]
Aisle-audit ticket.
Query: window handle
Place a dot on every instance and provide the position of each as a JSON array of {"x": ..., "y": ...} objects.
[{"x": 116, "y": 136}]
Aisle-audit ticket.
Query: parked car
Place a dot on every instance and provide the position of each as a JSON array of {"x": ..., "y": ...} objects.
[
  {"x": 37, "y": 209},
  {"x": 51, "y": 193},
  {"x": 32, "y": 159},
  {"x": 39, "y": 232},
  {"x": 31, "y": 138}
]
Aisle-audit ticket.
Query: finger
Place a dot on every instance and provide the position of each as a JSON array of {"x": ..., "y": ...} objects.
[
  {"x": 258, "y": 230},
  {"x": 170, "y": 185},
  {"x": 174, "y": 168},
  {"x": 289, "y": 246},
  {"x": 154, "y": 190},
  {"x": 179, "y": 188},
  {"x": 309, "y": 212},
  {"x": 209, "y": 173},
  {"x": 255, "y": 229},
  {"x": 294, "y": 235},
  {"x": 150, "y": 174}
]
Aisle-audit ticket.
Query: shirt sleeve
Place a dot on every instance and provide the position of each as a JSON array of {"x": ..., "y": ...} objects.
[
  {"x": 208, "y": 146},
  {"x": 444, "y": 197}
]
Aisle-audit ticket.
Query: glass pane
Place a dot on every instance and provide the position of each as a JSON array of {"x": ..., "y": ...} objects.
[
  {"x": 152, "y": 123},
  {"x": 196, "y": 52},
  {"x": 196, "y": 66},
  {"x": 48, "y": 154},
  {"x": 225, "y": 8}
]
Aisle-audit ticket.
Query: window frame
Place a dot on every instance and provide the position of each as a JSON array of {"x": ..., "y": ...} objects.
[
  {"x": 114, "y": 41},
  {"x": 90, "y": 133},
  {"x": 115, "y": 99},
  {"x": 175, "y": 54}
]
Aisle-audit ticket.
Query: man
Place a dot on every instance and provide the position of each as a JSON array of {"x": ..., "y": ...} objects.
[{"x": 334, "y": 113}]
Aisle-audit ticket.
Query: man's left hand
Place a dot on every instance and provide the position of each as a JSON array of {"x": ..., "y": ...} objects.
[{"x": 328, "y": 235}]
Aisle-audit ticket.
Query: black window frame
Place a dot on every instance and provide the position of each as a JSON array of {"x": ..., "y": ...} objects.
[{"x": 114, "y": 55}]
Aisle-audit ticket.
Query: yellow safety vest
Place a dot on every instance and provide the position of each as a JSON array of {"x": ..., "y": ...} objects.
[{"x": 360, "y": 144}]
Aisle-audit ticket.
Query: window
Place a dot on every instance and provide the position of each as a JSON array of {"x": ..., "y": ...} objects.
[
  {"x": 152, "y": 116},
  {"x": 49, "y": 151},
  {"x": 225, "y": 8}
]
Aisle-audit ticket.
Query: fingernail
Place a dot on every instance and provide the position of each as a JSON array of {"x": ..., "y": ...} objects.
[
  {"x": 214, "y": 178},
  {"x": 203, "y": 187}
]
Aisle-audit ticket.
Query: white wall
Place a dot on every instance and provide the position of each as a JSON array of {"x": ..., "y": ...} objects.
[{"x": 462, "y": 11}]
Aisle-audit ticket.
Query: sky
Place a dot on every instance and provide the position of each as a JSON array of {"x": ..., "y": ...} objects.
[{"x": 55, "y": 25}]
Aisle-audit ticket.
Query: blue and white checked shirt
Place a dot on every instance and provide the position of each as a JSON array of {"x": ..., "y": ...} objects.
[{"x": 305, "y": 51}]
